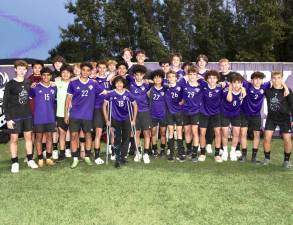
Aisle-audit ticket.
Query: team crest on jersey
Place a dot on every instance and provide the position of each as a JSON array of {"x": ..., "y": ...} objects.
[
  {"x": 52, "y": 92},
  {"x": 197, "y": 89},
  {"x": 217, "y": 90},
  {"x": 261, "y": 91},
  {"x": 125, "y": 98},
  {"x": 115, "y": 98},
  {"x": 91, "y": 87},
  {"x": 251, "y": 91},
  {"x": 40, "y": 91},
  {"x": 142, "y": 88},
  {"x": 162, "y": 93},
  {"x": 178, "y": 89},
  {"x": 77, "y": 88}
]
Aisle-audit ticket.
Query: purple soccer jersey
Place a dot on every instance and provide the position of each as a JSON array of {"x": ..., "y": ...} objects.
[
  {"x": 158, "y": 103},
  {"x": 103, "y": 84},
  {"x": 120, "y": 103},
  {"x": 192, "y": 96},
  {"x": 211, "y": 99},
  {"x": 252, "y": 103},
  {"x": 173, "y": 96},
  {"x": 231, "y": 109},
  {"x": 83, "y": 98},
  {"x": 44, "y": 100},
  {"x": 139, "y": 93},
  {"x": 180, "y": 73}
]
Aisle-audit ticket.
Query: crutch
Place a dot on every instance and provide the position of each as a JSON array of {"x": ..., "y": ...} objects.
[{"x": 108, "y": 131}]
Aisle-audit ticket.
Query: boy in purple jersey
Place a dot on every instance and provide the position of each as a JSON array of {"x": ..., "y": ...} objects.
[
  {"x": 99, "y": 123},
  {"x": 280, "y": 111},
  {"x": 210, "y": 112},
  {"x": 138, "y": 88},
  {"x": 233, "y": 95},
  {"x": 81, "y": 95},
  {"x": 176, "y": 59},
  {"x": 192, "y": 96},
  {"x": 119, "y": 102},
  {"x": 158, "y": 111},
  {"x": 174, "y": 101},
  {"x": 44, "y": 95},
  {"x": 18, "y": 114}
]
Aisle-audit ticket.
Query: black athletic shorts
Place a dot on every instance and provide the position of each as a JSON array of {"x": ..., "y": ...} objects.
[
  {"x": 75, "y": 125},
  {"x": 284, "y": 125},
  {"x": 161, "y": 122},
  {"x": 61, "y": 123},
  {"x": 191, "y": 119},
  {"x": 214, "y": 121},
  {"x": 235, "y": 121},
  {"x": 22, "y": 125},
  {"x": 47, "y": 127},
  {"x": 176, "y": 118},
  {"x": 143, "y": 121},
  {"x": 253, "y": 122},
  {"x": 99, "y": 120}
]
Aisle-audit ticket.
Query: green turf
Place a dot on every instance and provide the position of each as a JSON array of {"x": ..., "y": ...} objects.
[{"x": 160, "y": 193}]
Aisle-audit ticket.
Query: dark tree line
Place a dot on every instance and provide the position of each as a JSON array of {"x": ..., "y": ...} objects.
[{"x": 241, "y": 30}]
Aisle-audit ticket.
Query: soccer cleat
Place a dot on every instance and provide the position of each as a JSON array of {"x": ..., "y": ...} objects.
[
  {"x": 162, "y": 153},
  {"x": 32, "y": 164},
  {"x": 41, "y": 163},
  {"x": 88, "y": 161},
  {"x": 99, "y": 161},
  {"x": 202, "y": 158},
  {"x": 50, "y": 162},
  {"x": 238, "y": 153},
  {"x": 74, "y": 164},
  {"x": 266, "y": 162},
  {"x": 61, "y": 158},
  {"x": 146, "y": 158},
  {"x": 181, "y": 157},
  {"x": 243, "y": 158},
  {"x": 218, "y": 159},
  {"x": 287, "y": 164},
  {"x": 137, "y": 157},
  {"x": 194, "y": 158},
  {"x": 55, "y": 154},
  {"x": 67, "y": 153},
  {"x": 15, "y": 167},
  {"x": 225, "y": 155},
  {"x": 209, "y": 149},
  {"x": 233, "y": 156},
  {"x": 156, "y": 153}
]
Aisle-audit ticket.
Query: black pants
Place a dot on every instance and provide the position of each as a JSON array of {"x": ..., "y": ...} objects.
[
  {"x": 210, "y": 134},
  {"x": 121, "y": 137}
]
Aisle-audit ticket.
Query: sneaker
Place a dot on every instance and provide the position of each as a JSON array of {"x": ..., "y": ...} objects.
[
  {"x": 67, "y": 153},
  {"x": 32, "y": 164},
  {"x": 238, "y": 153},
  {"x": 146, "y": 158},
  {"x": 88, "y": 161},
  {"x": 50, "y": 162},
  {"x": 15, "y": 167},
  {"x": 155, "y": 153},
  {"x": 287, "y": 164},
  {"x": 137, "y": 157},
  {"x": 209, "y": 149},
  {"x": 99, "y": 161},
  {"x": 254, "y": 159},
  {"x": 162, "y": 153},
  {"x": 61, "y": 158},
  {"x": 181, "y": 158},
  {"x": 243, "y": 158},
  {"x": 225, "y": 155},
  {"x": 218, "y": 159},
  {"x": 74, "y": 164},
  {"x": 189, "y": 152},
  {"x": 171, "y": 158},
  {"x": 233, "y": 156},
  {"x": 44, "y": 154},
  {"x": 113, "y": 157},
  {"x": 110, "y": 150},
  {"x": 202, "y": 158},
  {"x": 168, "y": 152},
  {"x": 55, "y": 154},
  {"x": 266, "y": 162},
  {"x": 41, "y": 163},
  {"x": 194, "y": 158},
  {"x": 221, "y": 152}
]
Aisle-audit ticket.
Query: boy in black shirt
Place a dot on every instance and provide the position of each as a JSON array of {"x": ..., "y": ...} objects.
[
  {"x": 280, "y": 110},
  {"x": 18, "y": 114}
]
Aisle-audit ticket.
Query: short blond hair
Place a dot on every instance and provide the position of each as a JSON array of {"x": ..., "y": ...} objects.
[
  {"x": 112, "y": 62},
  {"x": 276, "y": 73},
  {"x": 224, "y": 60},
  {"x": 20, "y": 63}
]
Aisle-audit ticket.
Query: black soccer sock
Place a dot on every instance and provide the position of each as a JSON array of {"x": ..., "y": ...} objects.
[
  {"x": 163, "y": 146},
  {"x": 97, "y": 153},
  {"x": 244, "y": 151},
  {"x": 194, "y": 150},
  {"x": 154, "y": 147},
  {"x": 171, "y": 145},
  {"x": 238, "y": 147},
  {"x": 78, "y": 152},
  {"x": 40, "y": 157},
  {"x": 67, "y": 144},
  {"x": 132, "y": 141},
  {"x": 267, "y": 155},
  {"x": 203, "y": 150},
  {"x": 14, "y": 160},
  {"x": 287, "y": 156},
  {"x": 62, "y": 152},
  {"x": 254, "y": 152},
  {"x": 55, "y": 146},
  {"x": 188, "y": 146},
  {"x": 75, "y": 154},
  {"x": 48, "y": 155},
  {"x": 29, "y": 157},
  {"x": 87, "y": 153},
  {"x": 217, "y": 151},
  {"x": 43, "y": 146}
]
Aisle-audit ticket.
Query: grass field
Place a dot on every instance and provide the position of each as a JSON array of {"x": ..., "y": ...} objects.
[{"x": 160, "y": 193}]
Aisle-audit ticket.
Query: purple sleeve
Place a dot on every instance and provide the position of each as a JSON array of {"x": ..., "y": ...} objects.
[
  {"x": 32, "y": 92},
  {"x": 70, "y": 89},
  {"x": 245, "y": 84},
  {"x": 130, "y": 78},
  {"x": 202, "y": 82},
  {"x": 181, "y": 82},
  {"x": 130, "y": 96},
  {"x": 99, "y": 88},
  {"x": 266, "y": 85}
]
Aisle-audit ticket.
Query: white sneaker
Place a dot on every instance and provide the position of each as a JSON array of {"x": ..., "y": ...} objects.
[
  {"x": 32, "y": 164},
  {"x": 137, "y": 157},
  {"x": 113, "y": 157},
  {"x": 44, "y": 154},
  {"x": 110, "y": 150},
  {"x": 202, "y": 158},
  {"x": 218, "y": 159},
  {"x": 221, "y": 152},
  {"x": 67, "y": 153},
  {"x": 146, "y": 158},
  {"x": 99, "y": 161},
  {"x": 168, "y": 152},
  {"x": 15, "y": 167},
  {"x": 225, "y": 155},
  {"x": 209, "y": 149},
  {"x": 238, "y": 153},
  {"x": 55, "y": 154},
  {"x": 233, "y": 156}
]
